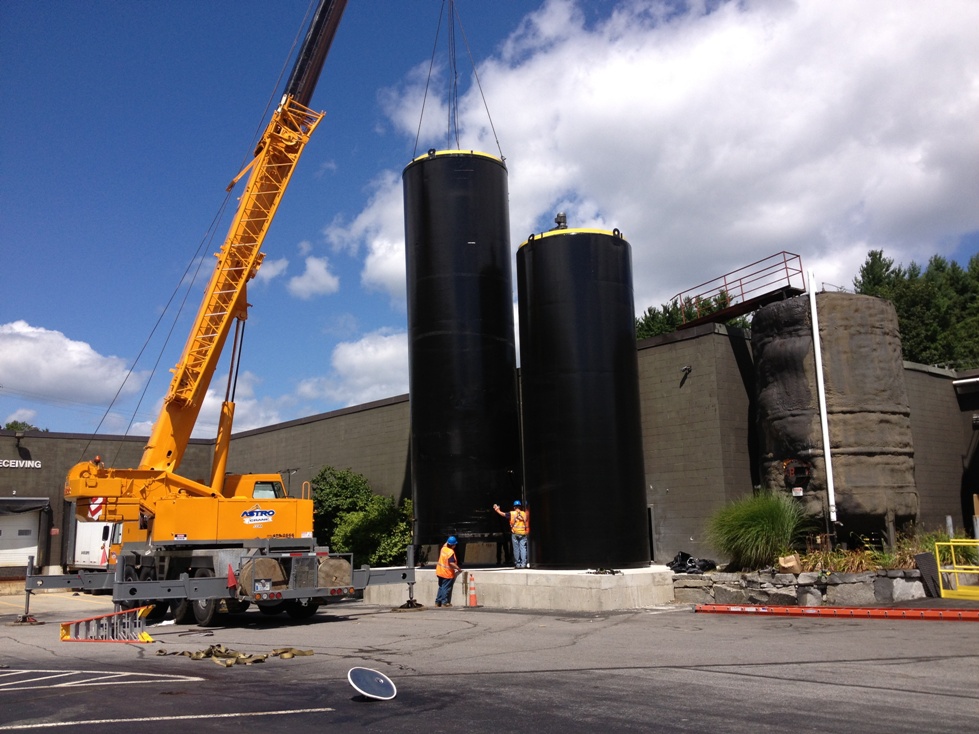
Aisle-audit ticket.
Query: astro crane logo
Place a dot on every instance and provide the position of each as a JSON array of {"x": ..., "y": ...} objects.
[{"x": 257, "y": 517}]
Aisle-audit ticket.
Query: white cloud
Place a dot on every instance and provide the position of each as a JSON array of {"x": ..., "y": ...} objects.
[
  {"x": 22, "y": 415},
  {"x": 316, "y": 280},
  {"x": 329, "y": 166},
  {"x": 380, "y": 226},
  {"x": 271, "y": 269},
  {"x": 715, "y": 138},
  {"x": 250, "y": 411},
  {"x": 47, "y": 365},
  {"x": 371, "y": 368},
  {"x": 711, "y": 134},
  {"x": 412, "y": 105}
]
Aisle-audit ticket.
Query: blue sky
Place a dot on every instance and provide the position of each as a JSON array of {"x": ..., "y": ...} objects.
[{"x": 711, "y": 134}]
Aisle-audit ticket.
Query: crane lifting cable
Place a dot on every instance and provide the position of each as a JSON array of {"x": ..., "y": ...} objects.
[{"x": 452, "y": 103}]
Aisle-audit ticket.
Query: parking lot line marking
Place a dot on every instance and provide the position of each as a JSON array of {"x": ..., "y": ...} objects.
[
  {"x": 143, "y": 719},
  {"x": 38, "y": 679},
  {"x": 29, "y": 680}
]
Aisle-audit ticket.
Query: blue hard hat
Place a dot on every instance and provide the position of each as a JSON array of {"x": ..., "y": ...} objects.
[
  {"x": 451, "y": 541},
  {"x": 516, "y": 503}
]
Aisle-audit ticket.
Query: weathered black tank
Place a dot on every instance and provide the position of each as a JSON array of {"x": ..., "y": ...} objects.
[
  {"x": 465, "y": 440},
  {"x": 866, "y": 402},
  {"x": 582, "y": 433}
]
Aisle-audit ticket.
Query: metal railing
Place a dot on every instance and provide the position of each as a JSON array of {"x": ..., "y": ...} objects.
[
  {"x": 768, "y": 275},
  {"x": 958, "y": 569}
]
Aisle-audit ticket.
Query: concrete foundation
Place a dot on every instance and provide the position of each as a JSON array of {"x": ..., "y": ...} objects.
[{"x": 572, "y": 591}]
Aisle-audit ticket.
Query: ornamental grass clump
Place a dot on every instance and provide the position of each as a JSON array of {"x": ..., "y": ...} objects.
[{"x": 753, "y": 532}]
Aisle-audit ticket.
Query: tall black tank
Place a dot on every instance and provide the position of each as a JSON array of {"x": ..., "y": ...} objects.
[
  {"x": 582, "y": 432},
  {"x": 465, "y": 428}
]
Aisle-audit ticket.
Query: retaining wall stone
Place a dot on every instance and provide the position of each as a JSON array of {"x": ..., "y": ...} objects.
[{"x": 809, "y": 589}]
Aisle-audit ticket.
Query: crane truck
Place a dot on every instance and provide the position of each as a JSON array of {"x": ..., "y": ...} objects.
[{"x": 197, "y": 547}]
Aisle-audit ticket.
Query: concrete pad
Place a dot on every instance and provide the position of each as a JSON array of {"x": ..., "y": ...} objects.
[{"x": 529, "y": 588}]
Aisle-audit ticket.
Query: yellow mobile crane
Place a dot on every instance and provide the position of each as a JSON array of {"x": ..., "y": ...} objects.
[{"x": 239, "y": 538}]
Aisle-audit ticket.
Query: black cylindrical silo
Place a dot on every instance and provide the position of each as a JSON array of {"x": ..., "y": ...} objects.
[
  {"x": 582, "y": 432},
  {"x": 465, "y": 440}
]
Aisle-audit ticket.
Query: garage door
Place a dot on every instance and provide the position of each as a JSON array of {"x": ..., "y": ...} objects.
[{"x": 18, "y": 537}]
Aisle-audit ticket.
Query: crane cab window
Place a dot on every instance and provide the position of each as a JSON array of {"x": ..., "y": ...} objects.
[{"x": 268, "y": 491}]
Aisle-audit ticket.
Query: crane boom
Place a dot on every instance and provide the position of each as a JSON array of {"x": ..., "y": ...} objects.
[
  {"x": 151, "y": 500},
  {"x": 224, "y": 299},
  {"x": 240, "y": 257}
]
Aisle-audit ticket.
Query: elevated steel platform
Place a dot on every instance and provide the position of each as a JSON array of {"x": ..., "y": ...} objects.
[{"x": 742, "y": 291}]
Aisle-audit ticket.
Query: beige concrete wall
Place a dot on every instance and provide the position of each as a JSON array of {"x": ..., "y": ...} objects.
[
  {"x": 57, "y": 453},
  {"x": 697, "y": 438},
  {"x": 370, "y": 439},
  {"x": 943, "y": 439},
  {"x": 696, "y": 431},
  {"x": 532, "y": 589}
]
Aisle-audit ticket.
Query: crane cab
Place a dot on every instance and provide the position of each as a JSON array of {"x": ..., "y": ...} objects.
[{"x": 254, "y": 486}]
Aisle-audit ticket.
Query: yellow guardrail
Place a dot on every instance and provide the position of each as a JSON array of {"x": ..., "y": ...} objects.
[{"x": 958, "y": 569}]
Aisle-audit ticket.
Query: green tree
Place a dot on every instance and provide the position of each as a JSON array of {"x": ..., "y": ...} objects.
[
  {"x": 336, "y": 492},
  {"x": 670, "y": 316},
  {"x": 937, "y": 308},
  {"x": 22, "y": 426},
  {"x": 876, "y": 275},
  {"x": 663, "y": 320},
  {"x": 350, "y": 518}
]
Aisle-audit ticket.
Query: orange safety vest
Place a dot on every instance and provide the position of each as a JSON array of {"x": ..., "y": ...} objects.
[
  {"x": 520, "y": 522},
  {"x": 443, "y": 569}
]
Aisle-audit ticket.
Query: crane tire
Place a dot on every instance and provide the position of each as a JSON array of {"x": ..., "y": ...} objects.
[
  {"x": 205, "y": 610},
  {"x": 160, "y": 606},
  {"x": 270, "y": 610},
  {"x": 298, "y": 610},
  {"x": 183, "y": 611}
]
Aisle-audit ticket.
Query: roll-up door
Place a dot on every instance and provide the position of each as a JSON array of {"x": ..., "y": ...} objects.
[{"x": 18, "y": 537}]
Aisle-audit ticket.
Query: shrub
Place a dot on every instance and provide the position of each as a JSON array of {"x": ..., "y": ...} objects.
[
  {"x": 350, "y": 518},
  {"x": 754, "y": 531},
  {"x": 380, "y": 533},
  {"x": 873, "y": 556}
]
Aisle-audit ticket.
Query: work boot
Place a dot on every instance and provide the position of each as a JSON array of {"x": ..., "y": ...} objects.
[{"x": 446, "y": 604}]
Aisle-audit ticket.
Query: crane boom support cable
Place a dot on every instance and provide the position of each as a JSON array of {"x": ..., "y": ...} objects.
[
  {"x": 428, "y": 81},
  {"x": 452, "y": 127},
  {"x": 207, "y": 239},
  {"x": 452, "y": 102},
  {"x": 479, "y": 86}
]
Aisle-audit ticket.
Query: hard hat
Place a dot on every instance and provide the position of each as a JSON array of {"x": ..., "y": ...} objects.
[
  {"x": 451, "y": 540},
  {"x": 516, "y": 503}
]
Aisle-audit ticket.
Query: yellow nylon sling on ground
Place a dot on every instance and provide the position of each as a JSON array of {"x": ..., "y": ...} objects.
[{"x": 222, "y": 655}]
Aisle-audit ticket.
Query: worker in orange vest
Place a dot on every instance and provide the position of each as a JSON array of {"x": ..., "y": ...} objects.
[
  {"x": 446, "y": 570},
  {"x": 519, "y": 521}
]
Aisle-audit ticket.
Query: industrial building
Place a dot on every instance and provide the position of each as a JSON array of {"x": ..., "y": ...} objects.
[{"x": 699, "y": 436}]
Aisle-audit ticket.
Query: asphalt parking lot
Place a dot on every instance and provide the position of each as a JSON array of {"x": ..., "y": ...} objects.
[{"x": 479, "y": 670}]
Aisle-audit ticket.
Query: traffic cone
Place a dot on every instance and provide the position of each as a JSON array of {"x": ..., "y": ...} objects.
[{"x": 472, "y": 592}]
